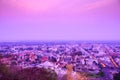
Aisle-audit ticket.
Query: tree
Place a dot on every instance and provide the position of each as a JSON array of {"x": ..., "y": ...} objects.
[{"x": 116, "y": 76}]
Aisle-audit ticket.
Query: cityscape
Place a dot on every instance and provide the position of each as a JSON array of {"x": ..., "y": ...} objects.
[
  {"x": 59, "y": 39},
  {"x": 91, "y": 61}
]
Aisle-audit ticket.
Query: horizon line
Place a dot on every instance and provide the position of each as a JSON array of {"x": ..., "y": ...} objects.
[{"x": 60, "y": 41}]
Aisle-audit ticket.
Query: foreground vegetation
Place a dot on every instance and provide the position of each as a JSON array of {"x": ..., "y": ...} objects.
[{"x": 26, "y": 74}]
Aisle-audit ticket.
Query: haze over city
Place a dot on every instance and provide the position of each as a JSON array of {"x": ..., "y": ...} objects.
[
  {"x": 59, "y": 39},
  {"x": 59, "y": 20}
]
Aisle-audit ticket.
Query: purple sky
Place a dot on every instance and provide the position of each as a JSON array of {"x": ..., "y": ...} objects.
[{"x": 59, "y": 20}]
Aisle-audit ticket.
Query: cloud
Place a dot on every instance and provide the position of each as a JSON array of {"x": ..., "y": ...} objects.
[{"x": 57, "y": 6}]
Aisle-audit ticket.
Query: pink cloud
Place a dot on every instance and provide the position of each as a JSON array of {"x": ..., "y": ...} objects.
[{"x": 51, "y": 7}]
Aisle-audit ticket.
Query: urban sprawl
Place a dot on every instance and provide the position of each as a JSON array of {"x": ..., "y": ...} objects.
[{"x": 84, "y": 57}]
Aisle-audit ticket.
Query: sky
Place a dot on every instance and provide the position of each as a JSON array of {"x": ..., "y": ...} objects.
[{"x": 59, "y": 20}]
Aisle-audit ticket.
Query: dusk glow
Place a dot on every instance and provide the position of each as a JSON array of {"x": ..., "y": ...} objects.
[{"x": 59, "y": 20}]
